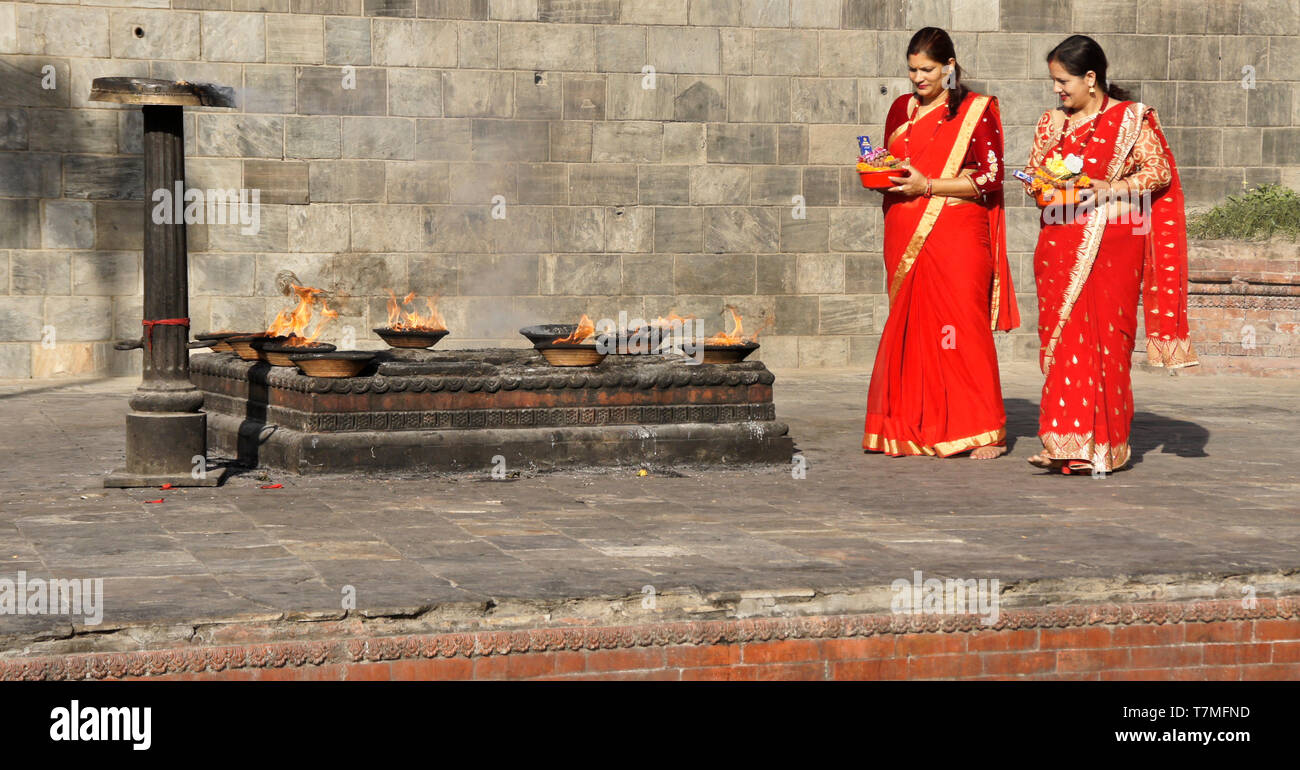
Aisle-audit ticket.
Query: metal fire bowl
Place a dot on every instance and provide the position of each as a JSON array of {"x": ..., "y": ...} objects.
[
  {"x": 543, "y": 335},
  {"x": 728, "y": 354},
  {"x": 400, "y": 338},
  {"x": 339, "y": 363},
  {"x": 276, "y": 350},
  {"x": 218, "y": 342},
  {"x": 242, "y": 346},
  {"x": 571, "y": 355}
]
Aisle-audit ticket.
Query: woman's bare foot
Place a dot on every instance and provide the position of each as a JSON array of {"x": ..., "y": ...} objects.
[
  {"x": 987, "y": 452},
  {"x": 1045, "y": 462}
]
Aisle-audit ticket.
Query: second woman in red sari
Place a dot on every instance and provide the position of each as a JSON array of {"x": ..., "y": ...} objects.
[
  {"x": 1092, "y": 263},
  {"x": 935, "y": 388}
]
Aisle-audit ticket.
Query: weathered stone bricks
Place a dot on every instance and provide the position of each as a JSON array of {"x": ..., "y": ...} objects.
[
  {"x": 785, "y": 52},
  {"x": 383, "y": 138},
  {"x": 631, "y": 98},
  {"x": 478, "y": 94},
  {"x": 758, "y": 100},
  {"x": 278, "y": 181},
  {"x": 547, "y": 47},
  {"x": 627, "y": 142},
  {"x": 232, "y": 37},
  {"x": 30, "y": 174},
  {"x": 602, "y": 184},
  {"x": 734, "y": 143},
  {"x": 241, "y": 136},
  {"x": 684, "y": 50},
  {"x": 296, "y": 39},
  {"x": 700, "y": 98},
  {"x": 347, "y": 41},
  {"x": 413, "y": 43},
  {"x": 380, "y": 131},
  {"x": 312, "y": 137},
  {"x": 63, "y": 31},
  {"x": 346, "y": 181},
  {"x": 68, "y": 225},
  {"x": 334, "y": 91},
  {"x": 103, "y": 177},
  {"x": 267, "y": 88},
  {"x": 740, "y": 228},
  {"x": 714, "y": 274},
  {"x": 630, "y": 228}
]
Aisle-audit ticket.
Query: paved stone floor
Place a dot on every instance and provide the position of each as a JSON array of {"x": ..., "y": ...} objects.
[{"x": 1212, "y": 493}]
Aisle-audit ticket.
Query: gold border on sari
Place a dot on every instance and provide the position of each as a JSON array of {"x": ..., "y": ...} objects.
[
  {"x": 1081, "y": 446},
  {"x": 1171, "y": 353},
  {"x": 877, "y": 443},
  {"x": 937, "y": 202}
]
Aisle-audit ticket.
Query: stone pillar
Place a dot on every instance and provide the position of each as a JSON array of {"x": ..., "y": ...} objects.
[{"x": 166, "y": 431}]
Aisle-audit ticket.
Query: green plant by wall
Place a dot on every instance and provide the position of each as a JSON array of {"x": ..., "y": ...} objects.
[{"x": 1257, "y": 214}]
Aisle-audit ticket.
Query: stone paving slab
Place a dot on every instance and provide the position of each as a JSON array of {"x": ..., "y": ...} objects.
[{"x": 1213, "y": 492}]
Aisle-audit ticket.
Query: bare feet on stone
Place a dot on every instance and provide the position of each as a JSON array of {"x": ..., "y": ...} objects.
[
  {"x": 1045, "y": 462},
  {"x": 987, "y": 452}
]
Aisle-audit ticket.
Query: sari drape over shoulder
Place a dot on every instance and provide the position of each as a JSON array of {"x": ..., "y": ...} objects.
[
  {"x": 1090, "y": 267},
  {"x": 935, "y": 388}
]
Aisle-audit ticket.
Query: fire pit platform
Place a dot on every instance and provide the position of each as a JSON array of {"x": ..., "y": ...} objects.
[{"x": 484, "y": 410}]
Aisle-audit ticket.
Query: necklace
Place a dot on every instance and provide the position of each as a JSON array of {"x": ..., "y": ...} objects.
[
  {"x": 1092, "y": 129},
  {"x": 915, "y": 115}
]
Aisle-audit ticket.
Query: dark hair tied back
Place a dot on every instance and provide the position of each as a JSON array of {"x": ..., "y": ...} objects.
[
  {"x": 935, "y": 44},
  {"x": 1078, "y": 54}
]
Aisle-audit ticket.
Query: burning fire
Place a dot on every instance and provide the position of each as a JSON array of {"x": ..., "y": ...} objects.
[
  {"x": 672, "y": 320},
  {"x": 293, "y": 324},
  {"x": 402, "y": 320},
  {"x": 585, "y": 329},
  {"x": 737, "y": 335}
]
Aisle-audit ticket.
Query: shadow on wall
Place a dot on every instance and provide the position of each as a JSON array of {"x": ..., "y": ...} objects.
[{"x": 71, "y": 186}]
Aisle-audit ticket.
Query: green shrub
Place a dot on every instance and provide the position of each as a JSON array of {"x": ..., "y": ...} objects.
[{"x": 1254, "y": 215}]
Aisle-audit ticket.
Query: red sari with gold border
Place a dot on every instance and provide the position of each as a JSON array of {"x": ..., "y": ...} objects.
[
  {"x": 1090, "y": 267},
  {"x": 935, "y": 388}
]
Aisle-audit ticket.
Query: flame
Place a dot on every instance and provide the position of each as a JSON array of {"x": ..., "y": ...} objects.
[
  {"x": 402, "y": 320},
  {"x": 293, "y": 324},
  {"x": 672, "y": 320},
  {"x": 585, "y": 329},
  {"x": 737, "y": 335}
]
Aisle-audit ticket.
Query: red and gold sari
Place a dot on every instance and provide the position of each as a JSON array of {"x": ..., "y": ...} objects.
[
  {"x": 1090, "y": 268},
  {"x": 935, "y": 388}
]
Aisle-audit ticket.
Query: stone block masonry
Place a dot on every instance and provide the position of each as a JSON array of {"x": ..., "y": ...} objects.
[{"x": 521, "y": 160}]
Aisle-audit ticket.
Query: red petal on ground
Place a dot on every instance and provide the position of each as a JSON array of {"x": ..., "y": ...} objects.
[{"x": 272, "y": 486}]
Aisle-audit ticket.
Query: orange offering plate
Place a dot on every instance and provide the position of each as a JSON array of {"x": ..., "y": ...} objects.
[
  {"x": 1058, "y": 196},
  {"x": 879, "y": 179}
]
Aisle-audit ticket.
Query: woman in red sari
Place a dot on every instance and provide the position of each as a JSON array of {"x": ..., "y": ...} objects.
[
  {"x": 1092, "y": 262},
  {"x": 935, "y": 388}
]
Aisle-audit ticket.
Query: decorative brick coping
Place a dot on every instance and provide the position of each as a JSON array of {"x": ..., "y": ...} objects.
[{"x": 1175, "y": 640}]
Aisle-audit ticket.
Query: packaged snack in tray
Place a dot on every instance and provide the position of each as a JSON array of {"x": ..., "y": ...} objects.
[
  {"x": 876, "y": 166},
  {"x": 1058, "y": 180}
]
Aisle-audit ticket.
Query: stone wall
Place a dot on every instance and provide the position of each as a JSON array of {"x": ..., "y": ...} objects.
[{"x": 616, "y": 197}]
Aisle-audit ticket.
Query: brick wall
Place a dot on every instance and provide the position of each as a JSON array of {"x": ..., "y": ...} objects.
[
  {"x": 617, "y": 197},
  {"x": 1244, "y": 307},
  {"x": 1209, "y": 640}
]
